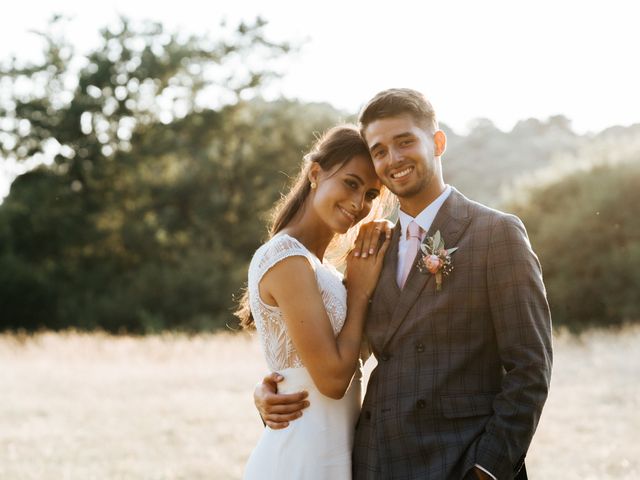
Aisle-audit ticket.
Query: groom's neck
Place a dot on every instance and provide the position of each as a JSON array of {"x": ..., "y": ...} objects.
[{"x": 417, "y": 203}]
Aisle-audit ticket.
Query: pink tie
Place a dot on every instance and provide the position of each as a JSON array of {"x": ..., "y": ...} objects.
[{"x": 413, "y": 243}]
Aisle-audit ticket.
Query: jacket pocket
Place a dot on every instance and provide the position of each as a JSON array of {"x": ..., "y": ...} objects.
[{"x": 467, "y": 405}]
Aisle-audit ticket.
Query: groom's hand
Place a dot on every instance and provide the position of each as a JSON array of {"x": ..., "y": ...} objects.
[{"x": 277, "y": 409}]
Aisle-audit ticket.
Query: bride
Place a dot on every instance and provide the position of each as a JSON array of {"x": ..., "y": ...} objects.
[{"x": 310, "y": 325}]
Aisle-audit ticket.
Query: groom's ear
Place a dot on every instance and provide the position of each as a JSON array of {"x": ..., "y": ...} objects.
[{"x": 439, "y": 143}]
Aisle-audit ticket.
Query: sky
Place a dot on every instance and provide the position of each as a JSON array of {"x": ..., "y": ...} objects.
[{"x": 496, "y": 59}]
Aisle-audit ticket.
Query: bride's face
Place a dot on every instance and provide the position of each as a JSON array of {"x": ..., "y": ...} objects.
[{"x": 344, "y": 196}]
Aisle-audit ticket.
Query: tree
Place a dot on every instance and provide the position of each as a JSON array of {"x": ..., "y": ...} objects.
[
  {"x": 127, "y": 229},
  {"x": 588, "y": 241}
]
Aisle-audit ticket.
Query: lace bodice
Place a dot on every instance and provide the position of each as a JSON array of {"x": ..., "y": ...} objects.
[{"x": 278, "y": 348}]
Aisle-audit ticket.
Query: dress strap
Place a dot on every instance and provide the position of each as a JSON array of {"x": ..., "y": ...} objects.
[{"x": 274, "y": 251}]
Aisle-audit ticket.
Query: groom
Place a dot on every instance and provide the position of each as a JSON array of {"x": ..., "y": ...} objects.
[{"x": 464, "y": 358}]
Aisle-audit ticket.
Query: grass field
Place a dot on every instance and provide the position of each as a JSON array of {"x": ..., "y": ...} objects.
[{"x": 91, "y": 406}]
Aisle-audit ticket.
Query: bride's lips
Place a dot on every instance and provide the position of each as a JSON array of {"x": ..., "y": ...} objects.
[{"x": 350, "y": 216}]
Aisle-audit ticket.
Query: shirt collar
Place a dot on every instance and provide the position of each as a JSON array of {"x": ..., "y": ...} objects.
[{"x": 425, "y": 217}]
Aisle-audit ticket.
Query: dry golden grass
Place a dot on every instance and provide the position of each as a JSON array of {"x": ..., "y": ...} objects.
[{"x": 90, "y": 406}]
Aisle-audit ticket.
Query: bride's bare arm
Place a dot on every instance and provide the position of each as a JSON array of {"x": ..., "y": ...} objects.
[{"x": 292, "y": 286}]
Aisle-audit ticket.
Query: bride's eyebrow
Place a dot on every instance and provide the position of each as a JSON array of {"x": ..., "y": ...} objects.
[{"x": 356, "y": 177}]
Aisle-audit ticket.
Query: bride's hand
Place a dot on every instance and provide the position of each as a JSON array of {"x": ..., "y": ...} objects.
[
  {"x": 363, "y": 272},
  {"x": 369, "y": 237}
]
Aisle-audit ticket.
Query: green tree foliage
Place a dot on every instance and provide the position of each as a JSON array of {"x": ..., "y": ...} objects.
[
  {"x": 586, "y": 230},
  {"x": 148, "y": 215}
]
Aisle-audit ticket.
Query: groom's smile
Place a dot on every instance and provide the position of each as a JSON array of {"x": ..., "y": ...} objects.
[{"x": 402, "y": 173}]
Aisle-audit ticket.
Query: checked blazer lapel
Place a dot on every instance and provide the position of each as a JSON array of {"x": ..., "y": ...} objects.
[
  {"x": 388, "y": 285},
  {"x": 452, "y": 220},
  {"x": 386, "y": 294}
]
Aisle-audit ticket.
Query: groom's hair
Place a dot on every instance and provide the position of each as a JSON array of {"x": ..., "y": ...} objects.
[{"x": 399, "y": 101}]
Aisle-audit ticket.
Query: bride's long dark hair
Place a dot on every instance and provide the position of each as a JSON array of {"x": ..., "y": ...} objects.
[{"x": 334, "y": 148}]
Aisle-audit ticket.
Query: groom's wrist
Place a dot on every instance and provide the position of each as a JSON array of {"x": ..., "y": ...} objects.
[{"x": 482, "y": 473}]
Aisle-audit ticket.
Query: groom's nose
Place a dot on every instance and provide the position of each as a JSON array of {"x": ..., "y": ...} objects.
[{"x": 394, "y": 155}]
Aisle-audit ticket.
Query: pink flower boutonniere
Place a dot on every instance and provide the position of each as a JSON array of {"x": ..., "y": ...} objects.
[{"x": 435, "y": 258}]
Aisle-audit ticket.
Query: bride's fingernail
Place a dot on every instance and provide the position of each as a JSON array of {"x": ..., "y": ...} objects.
[
  {"x": 371, "y": 251},
  {"x": 356, "y": 254}
]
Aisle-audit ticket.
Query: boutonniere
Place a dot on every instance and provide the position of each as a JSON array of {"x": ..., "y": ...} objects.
[{"x": 435, "y": 258}]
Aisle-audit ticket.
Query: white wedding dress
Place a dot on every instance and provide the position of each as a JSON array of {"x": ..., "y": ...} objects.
[{"x": 318, "y": 444}]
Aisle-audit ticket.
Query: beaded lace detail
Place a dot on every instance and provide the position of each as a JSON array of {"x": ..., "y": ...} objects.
[{"x": 278, "y": 348}]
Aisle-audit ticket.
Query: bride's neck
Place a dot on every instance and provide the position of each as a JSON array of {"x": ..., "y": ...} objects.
[{"x": 316, "y": 238}]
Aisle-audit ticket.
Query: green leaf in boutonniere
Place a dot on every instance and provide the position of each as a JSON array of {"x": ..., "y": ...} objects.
[{"x": 435, "y": 258}]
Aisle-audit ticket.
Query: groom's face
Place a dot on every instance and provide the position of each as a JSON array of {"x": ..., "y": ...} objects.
[{"x": 403, "y": 155}]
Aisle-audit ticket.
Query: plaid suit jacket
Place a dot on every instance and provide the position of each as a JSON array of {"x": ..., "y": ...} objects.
[{"x": 462, "y": 373}]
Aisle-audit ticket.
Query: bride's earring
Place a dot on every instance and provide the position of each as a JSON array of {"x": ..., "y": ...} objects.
[{"x": 313, "y": 185}]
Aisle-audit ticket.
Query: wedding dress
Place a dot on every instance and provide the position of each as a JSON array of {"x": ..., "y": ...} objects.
[{"x": 318, "y": 444}]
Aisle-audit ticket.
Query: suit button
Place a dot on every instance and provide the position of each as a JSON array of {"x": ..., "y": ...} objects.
[
  {"x": 421, "y": 403},
  {"x": 367, "y": 415},
  {"x": 385, "y": 356},
  {"x": 419, "y": 347}
]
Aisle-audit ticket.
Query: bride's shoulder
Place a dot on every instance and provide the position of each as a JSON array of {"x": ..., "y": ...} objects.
[
  {"x": 278, "y": 248},
  {"x": 282, "y": 243}
]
